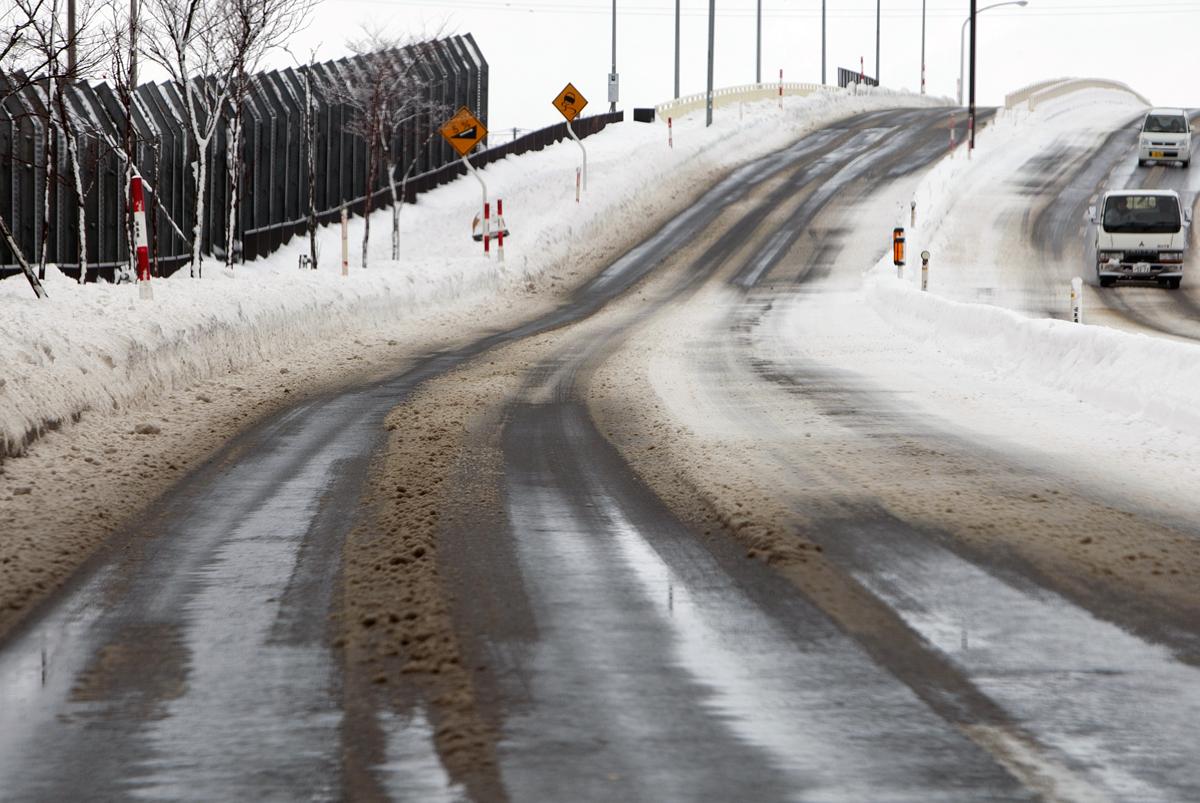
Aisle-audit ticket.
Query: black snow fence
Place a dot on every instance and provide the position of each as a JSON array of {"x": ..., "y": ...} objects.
[{"x": 275, "y": 173}]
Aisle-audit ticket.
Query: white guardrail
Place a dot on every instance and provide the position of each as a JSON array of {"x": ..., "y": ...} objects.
[
  {"x": 734, "y": 94},
  {"x": 1043, "y": 91}
]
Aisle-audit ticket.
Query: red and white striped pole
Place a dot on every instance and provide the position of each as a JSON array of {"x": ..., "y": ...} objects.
[
  {"x": 487, "y": 230},
  {"x": 670, "y": 134},
  {"x": 141, "y": 245},
  {"x": 500, "y": 229}
]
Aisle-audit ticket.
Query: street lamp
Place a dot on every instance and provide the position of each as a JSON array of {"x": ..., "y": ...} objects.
[{"x": 962, "y": 43}]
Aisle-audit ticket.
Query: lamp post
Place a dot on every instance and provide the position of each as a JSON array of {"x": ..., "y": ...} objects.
[
  {"x": 962, "y": 40},
  {"x": 822, "y": 42},
  {"x": 758, "y": 47},
  {"x": 922, "y": 47},
  {"x": 677, "y": 2},
  {"x": 878, "y": 11},
  {"x": 712, "y": 35},
  {"x": 612, "y": 107}
]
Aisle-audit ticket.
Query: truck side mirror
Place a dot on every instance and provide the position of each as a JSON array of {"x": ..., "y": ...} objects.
[
  {"x": 1187, "y": 217},
  {"x": 1092, "y": 214}
]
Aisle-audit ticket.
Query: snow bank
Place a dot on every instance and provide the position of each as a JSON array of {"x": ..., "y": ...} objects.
[
  {"x": 97, "y": 347},
  {"x": 1129, "y": 374}
]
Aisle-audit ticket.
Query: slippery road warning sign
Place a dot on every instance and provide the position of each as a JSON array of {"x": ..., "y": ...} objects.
[
  {"x": 463, "y": 131},
  {"x": 570, "y": 102}
]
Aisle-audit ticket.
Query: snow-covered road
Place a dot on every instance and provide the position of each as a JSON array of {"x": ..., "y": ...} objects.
[{"x": 723, "y": 508}]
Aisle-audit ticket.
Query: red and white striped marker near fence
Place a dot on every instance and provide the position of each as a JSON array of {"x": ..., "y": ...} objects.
[{"x": 138, "y": 198}]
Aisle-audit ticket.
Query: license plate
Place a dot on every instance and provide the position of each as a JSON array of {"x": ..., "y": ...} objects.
[
  {"x": 1156, "y": 154},
  {"x": 1141, "y": 267}
]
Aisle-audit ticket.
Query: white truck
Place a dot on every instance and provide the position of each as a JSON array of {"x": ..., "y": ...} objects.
[{"x": 1141, "y": 235}]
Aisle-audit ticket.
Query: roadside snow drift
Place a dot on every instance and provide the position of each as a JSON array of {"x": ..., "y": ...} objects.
[{"x": 98, "y": 347}]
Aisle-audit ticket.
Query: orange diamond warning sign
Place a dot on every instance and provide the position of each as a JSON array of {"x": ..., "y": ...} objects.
[
  {"x": 463, "y": 131},
  {"x": 570, "y": 102}
]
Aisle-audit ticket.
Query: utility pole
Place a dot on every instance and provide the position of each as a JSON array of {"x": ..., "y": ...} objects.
[
  {"x": 677, "y": 2},
  {"x": 922, "y": 47},
  {"x": 612, "y": 106},
  {"x": 712, "y": 35},
  {"x": 971, "y": 108},
  {"x": 823, "y": 60},
  {"x": 878, "y": 13},
  {"x": 758, "y": 48}
]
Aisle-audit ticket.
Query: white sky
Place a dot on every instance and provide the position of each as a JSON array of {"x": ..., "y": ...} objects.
[{"x": 535, "y": 46}]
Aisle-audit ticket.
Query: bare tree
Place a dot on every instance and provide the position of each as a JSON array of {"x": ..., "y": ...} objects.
[
  {"x": 254, "y": 28},
  {"x": 190, "y": 40},
  {"x": 51, "y": 45},
  {"x": 387, "y": 85}
]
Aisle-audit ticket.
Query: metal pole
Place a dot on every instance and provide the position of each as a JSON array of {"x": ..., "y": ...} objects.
[
  {"x": 823, "y": 59},
  {"x": 962, "y": 46},
  {"x": 878, "y": 14},
  {"x": 72, "y": 63},
  {"x": 712, "y": 35},
  {"x": 677, "y": 2},
  {"x": 758, "y": 48},
  {"x": 922, "y": 47},
  {"x": 612, "y": 107},
  {"x": 971, "y": 109}
]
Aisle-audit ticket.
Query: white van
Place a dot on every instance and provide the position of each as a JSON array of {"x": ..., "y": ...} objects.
[
  {"x": 1141, "y": 235},
  {"x": 1166, "y": 136}
]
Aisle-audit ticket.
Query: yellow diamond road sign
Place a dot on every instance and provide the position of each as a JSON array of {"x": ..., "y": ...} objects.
[
  {"x": 463, "y": 131},
  {"x": 570, "y": 102}
]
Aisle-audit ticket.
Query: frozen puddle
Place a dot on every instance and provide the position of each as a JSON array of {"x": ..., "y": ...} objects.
[{"x": 1124, "y": 713}]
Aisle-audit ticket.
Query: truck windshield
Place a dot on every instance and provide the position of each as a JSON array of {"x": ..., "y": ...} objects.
[
  {"x": 1165, "y": 124},
  {"x": 1142, "y": 213}
]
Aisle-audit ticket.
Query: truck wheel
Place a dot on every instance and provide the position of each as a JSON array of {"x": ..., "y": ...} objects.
[
  {"x": 1142, "y": 163},
  {"x": 1186, "y": 163},
  {"x": 1104, "y": 282},
  {"x": 1173, "y": 284}
]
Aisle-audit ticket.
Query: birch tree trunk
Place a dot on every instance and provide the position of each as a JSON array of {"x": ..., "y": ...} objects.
[
  {"x": 235, "y": 170},
  {"x": 26, "y": 268}
]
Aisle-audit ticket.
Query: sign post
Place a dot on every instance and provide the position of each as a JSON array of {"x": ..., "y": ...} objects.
[
  {"x": 570, "y": 102},
  {"x": 464, "y": 131},
  {"x": 138, "y": 198}
]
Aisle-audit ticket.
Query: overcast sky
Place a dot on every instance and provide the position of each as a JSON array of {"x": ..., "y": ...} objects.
[{"x": 535, "y": 46}]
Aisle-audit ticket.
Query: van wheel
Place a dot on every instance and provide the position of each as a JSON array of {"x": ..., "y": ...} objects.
[{"x": 1173, "y": 284}]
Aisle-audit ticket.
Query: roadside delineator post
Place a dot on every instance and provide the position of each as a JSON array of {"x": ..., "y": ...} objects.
[
  {"x": 577, "y": 185},
  {"x": 487, "y": 229},
  {"x": 141, "y": 245},
  {"x": 1077, "y": 300},
  {"x": 953, "y": 138},
  {"x": 912, "y": 223},
  {"x": 898, "y": 250},
  {"x": 500, "y": 229},
  {"x": 781, "y": 88},
  {"x": 345, "y": 242},
  {"x": 670, "y": 134},
  {"x": 924, "y": 271}
]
